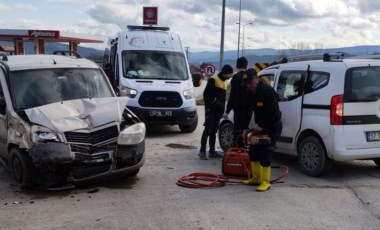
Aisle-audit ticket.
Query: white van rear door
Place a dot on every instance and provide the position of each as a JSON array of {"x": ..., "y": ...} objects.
[{"x": 361, "y": 108}]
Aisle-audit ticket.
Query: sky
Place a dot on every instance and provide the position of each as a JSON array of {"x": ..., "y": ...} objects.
[{"x": 277, "y": 24}]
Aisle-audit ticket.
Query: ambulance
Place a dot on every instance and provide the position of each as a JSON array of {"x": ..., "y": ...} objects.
[{"x": 150, "y": 67}]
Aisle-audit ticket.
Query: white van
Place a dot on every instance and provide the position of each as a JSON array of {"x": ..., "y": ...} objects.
[
  {"x": 60, "y": 122},
  {"x": 330, "y": 111},
  {"x": 151, "y": 68}
]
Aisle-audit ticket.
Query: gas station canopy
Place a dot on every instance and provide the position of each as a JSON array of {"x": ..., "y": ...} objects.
[{"x": 40, "y": 37}]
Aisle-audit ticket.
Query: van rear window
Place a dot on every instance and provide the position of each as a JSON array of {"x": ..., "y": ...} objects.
[{"x": 362, "y": 84}]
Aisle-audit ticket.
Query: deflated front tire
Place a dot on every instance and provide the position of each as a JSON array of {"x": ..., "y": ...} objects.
[{"x": 21, "y": 167}]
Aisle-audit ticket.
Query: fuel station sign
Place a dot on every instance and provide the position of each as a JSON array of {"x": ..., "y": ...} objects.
[{"x": 43, "y": 33}]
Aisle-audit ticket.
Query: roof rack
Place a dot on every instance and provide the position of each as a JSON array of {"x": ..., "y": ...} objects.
[
  {"x": 372, "y": 56},
  {"x": 67, "y": 53},
  {"x": 338, "y": 56},
  {"x": 148, "y": 28}
]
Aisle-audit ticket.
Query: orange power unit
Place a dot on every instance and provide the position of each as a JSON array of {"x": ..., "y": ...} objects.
[{"x": 236, "y": 163}]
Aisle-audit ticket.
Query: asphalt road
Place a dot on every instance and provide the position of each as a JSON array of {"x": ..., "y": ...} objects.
[{"x": 347, "y": 198}]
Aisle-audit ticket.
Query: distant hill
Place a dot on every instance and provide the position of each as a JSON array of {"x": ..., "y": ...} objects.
[
  {"x": 197, "y": 58},
  {"x": 270, "y": 55}
]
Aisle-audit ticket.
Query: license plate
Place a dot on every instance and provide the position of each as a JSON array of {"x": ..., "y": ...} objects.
[
  {"x": 161, "y": 113},
  {"x": 373, "y": 136}
]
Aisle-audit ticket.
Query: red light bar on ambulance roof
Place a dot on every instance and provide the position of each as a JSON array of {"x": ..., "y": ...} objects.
[{"x": 148, "y": 28}]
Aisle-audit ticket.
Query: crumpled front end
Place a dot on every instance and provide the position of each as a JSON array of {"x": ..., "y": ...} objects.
[
  {"x": 82, "y": 140},
  {"x": 86, "y": 155}
]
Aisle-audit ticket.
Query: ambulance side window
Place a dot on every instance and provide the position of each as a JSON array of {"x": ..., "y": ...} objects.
[{"x": 290, "y": 85}]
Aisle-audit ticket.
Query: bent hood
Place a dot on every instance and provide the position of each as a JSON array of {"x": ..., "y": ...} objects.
[{"x": 78, "y": 114}]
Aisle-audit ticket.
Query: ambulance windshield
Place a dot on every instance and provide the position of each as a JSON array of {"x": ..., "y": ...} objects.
[{"x": 155, "y": 65}]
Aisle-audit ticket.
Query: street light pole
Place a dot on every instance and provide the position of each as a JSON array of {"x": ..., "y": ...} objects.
[
  {"x": 187, "y": 50},
  {"x": 238, "y": 49},
  {"x": 243, "y": 43},
  {"x": 221, "y": 55}
]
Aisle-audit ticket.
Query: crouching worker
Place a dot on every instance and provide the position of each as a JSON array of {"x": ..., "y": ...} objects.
[
  {"x": 214, "y": 97},
  {"x": 267, "y": 123}
]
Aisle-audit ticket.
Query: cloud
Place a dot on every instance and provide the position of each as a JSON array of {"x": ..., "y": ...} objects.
[
  {"x": 276, "y": 23},
  {"x": 4, "y": 7},
  {"x": 369, "y": 6},
  {"x": 27, "y": 7}
]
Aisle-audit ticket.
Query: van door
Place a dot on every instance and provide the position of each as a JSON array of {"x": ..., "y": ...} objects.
[
  {"x": 361, "y": 108},
  {"x": 290, "y": 90},
  {"x": 3, "y": 124}
]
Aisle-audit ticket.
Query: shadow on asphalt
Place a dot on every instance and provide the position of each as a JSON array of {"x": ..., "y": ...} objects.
[
  {"x": 42, "y": 193},
  {"x": 339, "y": 170},
  {"x": 162, "y": 131}
]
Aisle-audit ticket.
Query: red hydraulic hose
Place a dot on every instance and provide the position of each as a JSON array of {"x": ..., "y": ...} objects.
[{"x": 210, "y": 180}]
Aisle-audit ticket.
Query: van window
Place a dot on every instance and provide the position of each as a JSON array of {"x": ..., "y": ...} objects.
[
  {"x": 289, "y": 85},
  {"x": 317, "y": 81},
  {"x": 33, "y": 88},
  {"x": 362, "y": 84},
  {"x": 158, "y": 65}
]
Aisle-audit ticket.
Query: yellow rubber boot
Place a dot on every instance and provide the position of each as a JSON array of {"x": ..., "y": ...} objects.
[
  {"x": 255, "y": 174},
  {"x": 265, "y": 184}
]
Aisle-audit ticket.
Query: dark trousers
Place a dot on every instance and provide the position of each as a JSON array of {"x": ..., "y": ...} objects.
[
  {"x": 264, "y": 153},
  {"x": 211, "y": 125},
  {"x": 241, "y": 119}
]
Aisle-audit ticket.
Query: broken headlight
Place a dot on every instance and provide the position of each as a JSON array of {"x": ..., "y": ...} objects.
[
  {"x": 132, "y": 135},
  {"x": 41, "y": 135}
]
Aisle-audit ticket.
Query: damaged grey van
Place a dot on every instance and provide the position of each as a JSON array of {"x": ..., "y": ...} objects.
[{"x": 61, "y": 122}]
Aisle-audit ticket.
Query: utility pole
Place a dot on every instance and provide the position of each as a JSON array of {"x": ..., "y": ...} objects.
[
  {"x": 221, "y": 55},
  {"x": 187, "y": 52},
  {"x": 238, "y": 49},
  {"x": 243, "y": 43}
]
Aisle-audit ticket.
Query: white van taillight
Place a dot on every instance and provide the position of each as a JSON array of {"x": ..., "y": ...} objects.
[{"x": 336, "y": 110}]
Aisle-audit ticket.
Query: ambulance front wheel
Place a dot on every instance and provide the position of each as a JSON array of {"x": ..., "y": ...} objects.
[{"x": 189, "y": 128}]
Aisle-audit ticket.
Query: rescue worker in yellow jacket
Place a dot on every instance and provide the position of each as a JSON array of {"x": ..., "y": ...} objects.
[{"x": 214, "y": 97}]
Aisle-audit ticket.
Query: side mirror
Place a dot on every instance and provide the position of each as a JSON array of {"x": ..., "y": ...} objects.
[
  {"x": 123, "y": 93},
  {"x": 197, "y": 80}
]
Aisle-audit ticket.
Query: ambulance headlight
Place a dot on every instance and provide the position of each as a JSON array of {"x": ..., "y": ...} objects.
[
  {"x": 132, "y": 135},
  {"x": 189, "y": 94},
  {"x": 131, "y": 93}
]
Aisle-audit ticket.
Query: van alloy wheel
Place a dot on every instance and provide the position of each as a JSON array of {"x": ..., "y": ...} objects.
[
  {"x": 226, "y": 136},
  {"x": 312, "y": 157}
]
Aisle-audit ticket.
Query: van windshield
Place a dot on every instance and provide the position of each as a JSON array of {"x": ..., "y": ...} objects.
[
  {"x": 158, "y": 65},
  {"x": 362, "y": 84},
  {"x": 33, "y": 88}
]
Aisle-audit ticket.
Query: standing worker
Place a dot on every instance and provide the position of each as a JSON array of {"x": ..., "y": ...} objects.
[
  {"x": 267, "y": 121},
  {"x": 238, "y": 100},
  {"x": 215, "y": 99}
]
